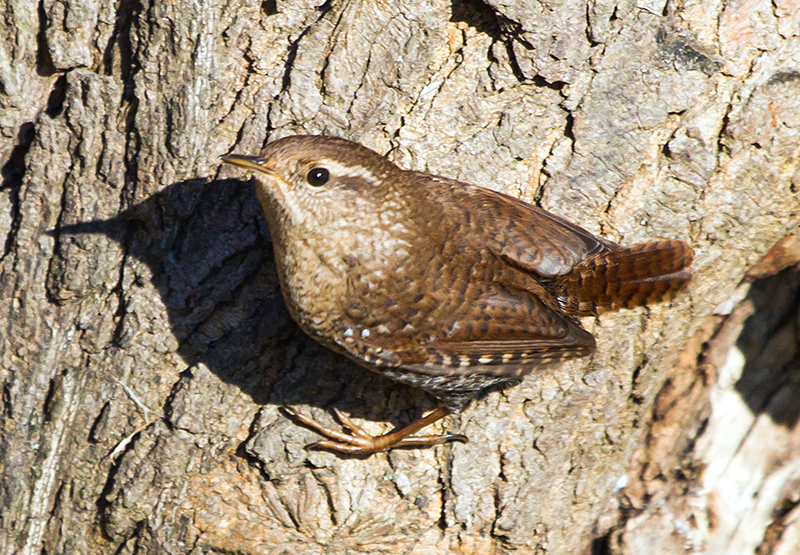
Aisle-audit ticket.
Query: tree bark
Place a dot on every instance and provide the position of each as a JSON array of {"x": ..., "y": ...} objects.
[{"x": 144, "y": 357}]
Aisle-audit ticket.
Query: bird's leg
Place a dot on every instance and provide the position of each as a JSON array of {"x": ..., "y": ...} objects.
[{"x": 359, "y": 442}]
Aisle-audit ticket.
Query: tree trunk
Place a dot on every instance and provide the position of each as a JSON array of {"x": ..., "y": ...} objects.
[{"x": 144, "y": 357}]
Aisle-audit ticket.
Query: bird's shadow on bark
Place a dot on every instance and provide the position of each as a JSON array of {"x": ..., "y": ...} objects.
[
  {"x": 770, "y": 379},
  {"x": 208, "y": 248}
]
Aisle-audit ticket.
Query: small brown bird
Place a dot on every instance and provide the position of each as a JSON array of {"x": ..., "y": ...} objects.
[{"x": 435, "y": 283}]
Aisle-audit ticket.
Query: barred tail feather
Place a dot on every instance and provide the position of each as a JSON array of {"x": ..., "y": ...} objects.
[{"x": 626, "y": 277}]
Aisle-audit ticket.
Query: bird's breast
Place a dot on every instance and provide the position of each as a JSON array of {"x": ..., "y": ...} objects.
[{"x": 327, "y": 275}]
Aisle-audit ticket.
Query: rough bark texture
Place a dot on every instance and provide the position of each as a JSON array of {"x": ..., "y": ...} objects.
[{"x": 143, "y": 361}]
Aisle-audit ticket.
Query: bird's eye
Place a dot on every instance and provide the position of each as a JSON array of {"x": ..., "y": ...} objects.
[{"x": 318, "y": 177}]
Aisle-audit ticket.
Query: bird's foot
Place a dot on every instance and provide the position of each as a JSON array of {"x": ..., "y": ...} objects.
[{"x": 359, "y": 442}]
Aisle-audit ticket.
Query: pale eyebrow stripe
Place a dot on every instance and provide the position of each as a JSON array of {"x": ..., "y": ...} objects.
[{"x": 341, "y": 170}]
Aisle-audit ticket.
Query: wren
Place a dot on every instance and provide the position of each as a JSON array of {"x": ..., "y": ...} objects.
[{"x": 442, "y": 285}]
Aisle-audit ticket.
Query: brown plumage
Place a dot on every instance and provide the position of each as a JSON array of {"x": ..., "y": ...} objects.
[{"x": 439, "y": 284}]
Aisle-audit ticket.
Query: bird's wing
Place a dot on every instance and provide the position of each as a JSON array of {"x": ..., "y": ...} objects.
[
  {"x": 525, "y": 235},
  {"x": 477, "y": 302},
  {"x": 506, "y": 332}
]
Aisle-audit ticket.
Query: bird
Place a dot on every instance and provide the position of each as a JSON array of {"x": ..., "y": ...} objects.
[{"x": 448, "y": 287}]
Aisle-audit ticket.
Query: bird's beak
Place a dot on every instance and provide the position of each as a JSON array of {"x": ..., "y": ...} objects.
[{"x": 253, "y": 163}]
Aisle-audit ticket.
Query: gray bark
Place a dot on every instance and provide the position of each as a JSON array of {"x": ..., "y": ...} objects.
[{"x": 143, "y": 360}]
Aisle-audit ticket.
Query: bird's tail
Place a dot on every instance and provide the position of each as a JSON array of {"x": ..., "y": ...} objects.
[{"x": 626, "y": 277}]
